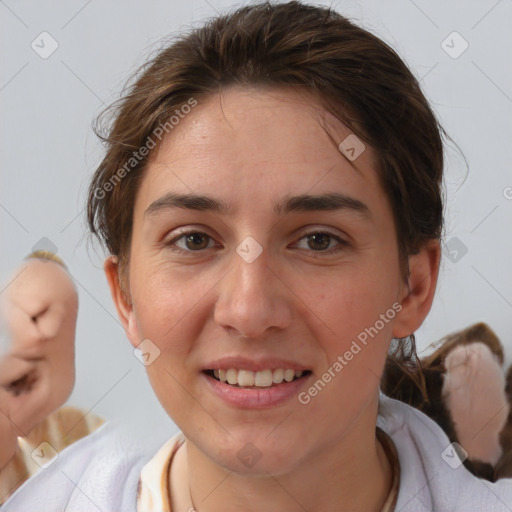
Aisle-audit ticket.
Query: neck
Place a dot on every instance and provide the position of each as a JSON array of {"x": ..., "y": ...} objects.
[{"x": 337, "y": 473}]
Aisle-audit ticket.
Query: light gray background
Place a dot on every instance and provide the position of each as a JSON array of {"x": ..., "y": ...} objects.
[{"x": 49, "y": 153}]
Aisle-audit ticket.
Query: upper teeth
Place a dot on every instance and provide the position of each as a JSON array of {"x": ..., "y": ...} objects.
[{"x": 262, "y": 379}]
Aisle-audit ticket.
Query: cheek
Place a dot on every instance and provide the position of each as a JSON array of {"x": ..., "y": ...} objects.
[
  {"x": 354, "y": 320},
  {"x": 347, "y": 301},
  {"x": 169, "y": 312},
  {"x": 164, "y": 295}
]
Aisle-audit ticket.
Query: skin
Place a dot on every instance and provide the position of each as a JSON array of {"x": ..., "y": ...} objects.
[
  {"x": 40, "y": 308},
  {"x": 251, "y": 148},
  {"x": 8, "y": 445}
]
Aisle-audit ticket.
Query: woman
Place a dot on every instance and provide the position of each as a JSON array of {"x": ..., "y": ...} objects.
[{"x": 270, "y": 200}]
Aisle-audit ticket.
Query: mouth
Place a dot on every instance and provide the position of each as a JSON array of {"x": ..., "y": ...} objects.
[
  {"x": 263, "y": 379},
  {"x": 22, "y": 385}
]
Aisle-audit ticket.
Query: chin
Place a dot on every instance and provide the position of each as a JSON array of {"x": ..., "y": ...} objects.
[
  {"x": 256, "y": 455},
  {"x": 252, "y": 462}
]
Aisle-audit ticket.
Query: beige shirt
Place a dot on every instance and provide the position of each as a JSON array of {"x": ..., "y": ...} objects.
[{"x": 154, "y": 493}]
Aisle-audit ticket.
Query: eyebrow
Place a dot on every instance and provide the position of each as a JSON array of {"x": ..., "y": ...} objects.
[{"x": 301, "y": 203}]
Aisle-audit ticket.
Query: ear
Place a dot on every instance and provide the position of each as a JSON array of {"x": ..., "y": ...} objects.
[
  {"x": 419, "y": 292},
  {"x": 121, "y": 300}
]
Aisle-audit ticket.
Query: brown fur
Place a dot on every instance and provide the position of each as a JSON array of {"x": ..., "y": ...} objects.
[{"x": 420, "y": 386}]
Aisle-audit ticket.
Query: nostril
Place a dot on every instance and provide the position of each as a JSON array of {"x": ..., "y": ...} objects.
[{"x": 36, "y": 317}]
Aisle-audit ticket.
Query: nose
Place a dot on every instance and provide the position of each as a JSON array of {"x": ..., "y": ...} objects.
[
  {"x": 24, "y": 336},
  {"x": 253, "y": 300}
]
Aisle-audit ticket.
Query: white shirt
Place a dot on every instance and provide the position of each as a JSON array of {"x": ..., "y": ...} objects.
[{"x": 103, "y": 472}]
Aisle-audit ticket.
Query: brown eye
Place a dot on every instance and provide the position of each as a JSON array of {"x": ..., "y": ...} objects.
[
  {"x": 319, "y": 241},
  {"x": 195, "y": 241}
]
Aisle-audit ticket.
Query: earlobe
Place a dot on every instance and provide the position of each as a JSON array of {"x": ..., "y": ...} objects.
[
  {"x": 121, "y": 300},
  {"x": 419, "y": 294}
]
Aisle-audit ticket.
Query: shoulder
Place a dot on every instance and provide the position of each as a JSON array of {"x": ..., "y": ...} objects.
[
  {"x": 100, "y": 471},
  {"x": 432, "y": 477}
]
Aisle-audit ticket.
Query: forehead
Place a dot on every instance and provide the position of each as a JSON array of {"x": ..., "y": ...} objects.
[{"x": 260, "y": 141}]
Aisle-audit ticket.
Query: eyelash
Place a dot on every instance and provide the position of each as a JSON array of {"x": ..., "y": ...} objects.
[{"x": 341, "y": 243}]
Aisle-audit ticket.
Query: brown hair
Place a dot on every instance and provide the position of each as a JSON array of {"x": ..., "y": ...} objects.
[{"x": 313, "y": 49}]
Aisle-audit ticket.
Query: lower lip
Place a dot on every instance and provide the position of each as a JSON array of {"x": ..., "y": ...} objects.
[{"x": 256, "y": 398}]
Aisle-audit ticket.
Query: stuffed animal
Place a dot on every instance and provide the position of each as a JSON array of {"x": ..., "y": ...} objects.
[
  {"x": 462, "y": 387},
  {"x": 37, "y": 369}
]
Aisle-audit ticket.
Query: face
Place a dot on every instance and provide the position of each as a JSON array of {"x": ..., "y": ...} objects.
[
  {"x": 281, "y": 273},
  {"x": 38, "y": 371},
  {"x": 8, "y": 442}
]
